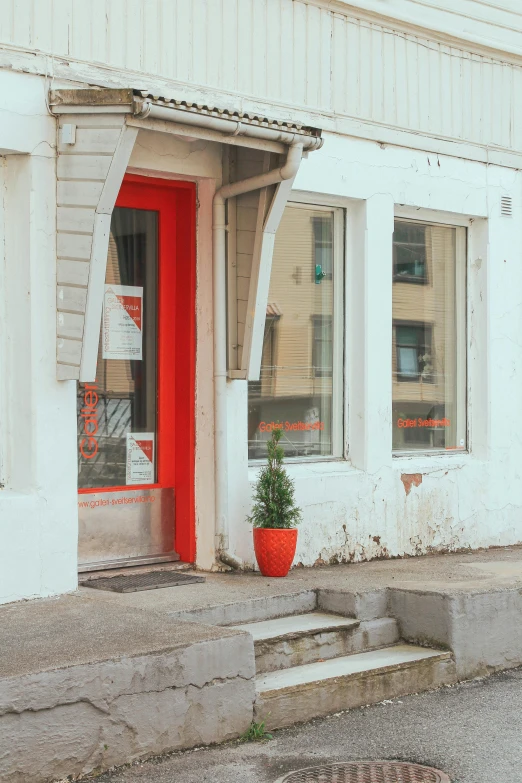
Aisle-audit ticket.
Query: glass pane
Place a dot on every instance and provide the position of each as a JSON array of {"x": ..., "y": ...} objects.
[
  {"x": 117, "y": 413},
  {"x": 409, "y": 252},
  {"x": 429, "y": 323},
  {"x": 407, "y": 361},
  {"x": 295, "y": 388}
]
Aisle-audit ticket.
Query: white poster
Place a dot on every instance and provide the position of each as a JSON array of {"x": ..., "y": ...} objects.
[
  {"x": 122, "y": 322},
  {"x": 140, "y": 458}
]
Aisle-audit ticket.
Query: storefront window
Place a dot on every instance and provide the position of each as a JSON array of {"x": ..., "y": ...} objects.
[
  {"x": 299, "y": 386},
  {"x": 429, "y": 337},
  {"x": 117, "y": 412}
]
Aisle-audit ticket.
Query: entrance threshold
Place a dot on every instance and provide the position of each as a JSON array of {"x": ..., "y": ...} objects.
[{"x": 142, "y": 560}]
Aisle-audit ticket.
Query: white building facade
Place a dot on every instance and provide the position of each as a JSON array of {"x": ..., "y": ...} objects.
[{"x": 356, "y": 282}]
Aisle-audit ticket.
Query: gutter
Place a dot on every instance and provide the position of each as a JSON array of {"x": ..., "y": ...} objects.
[{"x": 228, "y": 124}]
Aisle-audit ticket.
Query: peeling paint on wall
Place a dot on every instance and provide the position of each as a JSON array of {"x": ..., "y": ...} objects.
[{"x": 411, "y": 479}]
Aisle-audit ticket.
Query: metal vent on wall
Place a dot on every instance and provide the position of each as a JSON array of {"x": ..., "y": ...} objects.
[{"x": 506, "y": 206}]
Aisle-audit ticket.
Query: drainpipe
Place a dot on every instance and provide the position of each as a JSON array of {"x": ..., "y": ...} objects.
[{"x": 219, "y": 229}]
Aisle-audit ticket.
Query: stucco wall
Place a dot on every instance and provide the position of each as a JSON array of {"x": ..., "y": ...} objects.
[
  {"x": 38, "y": 505},
  {"x": 372, "y": 504},
  {"x": 368, "y": 505}
]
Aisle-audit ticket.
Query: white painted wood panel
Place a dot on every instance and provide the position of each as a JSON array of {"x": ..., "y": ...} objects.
[
  {"x": 70, "y": 325},
  {"x": 93, "y": 140},
  {"x": 93, "y": 167},
  {"x": 69, "y": 351},
  {"x": 89, "y": 177},
  {"x": 70, "y": 272},
  {"x": 301, "y": 56},
  {"x": 71, "y": 300},
  {"x": 82, "y": 194},
  {"x": 73, "y": 246},
  {"x": 74, "y": 219}
]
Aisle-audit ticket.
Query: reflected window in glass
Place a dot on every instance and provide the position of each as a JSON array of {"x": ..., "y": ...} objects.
[{"x": 300, "y": 385}]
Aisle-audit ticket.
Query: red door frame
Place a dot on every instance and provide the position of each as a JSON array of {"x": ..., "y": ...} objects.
[{"x": 175, "y": 201}]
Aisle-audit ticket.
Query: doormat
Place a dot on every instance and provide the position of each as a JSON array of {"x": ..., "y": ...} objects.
[{"x": 132, "y": 583}]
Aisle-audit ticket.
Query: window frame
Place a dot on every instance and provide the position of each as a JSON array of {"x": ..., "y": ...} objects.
[
  {"x": 3, "y": 327},
  {"x": 339, "y": 389},
  {"x": 461, "y": 227}
]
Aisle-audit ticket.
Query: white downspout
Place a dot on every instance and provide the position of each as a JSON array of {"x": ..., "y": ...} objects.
[{"x": 219, "y": 228}]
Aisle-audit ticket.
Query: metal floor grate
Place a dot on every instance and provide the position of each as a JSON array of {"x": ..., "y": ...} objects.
[
  {"x": 132, "y": 583},
  {"x": 367, "y": 772}
]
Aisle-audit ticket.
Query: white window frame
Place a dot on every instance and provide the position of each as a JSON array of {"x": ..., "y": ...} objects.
[
  {"x": 3, "y": 329},
  {"x": 339, "y": 391},
  {"x": 461, "y": 226}
]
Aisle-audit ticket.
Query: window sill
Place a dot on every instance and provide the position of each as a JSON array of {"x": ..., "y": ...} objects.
[
  {"x": 439, "y": 460},
  {"x": 309, "y": 469}
]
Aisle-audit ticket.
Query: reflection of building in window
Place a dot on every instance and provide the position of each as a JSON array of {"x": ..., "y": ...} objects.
[
  {"x": 265, "y": 385},
  {"x": 295, "y": 388},
  {"x": 409, "y": 253},
  {"x": 323, "y": 247},
  {"x": 428, "y": 350},
  {"x": 414, "y": 352},
  {"x": 322, "y": 346}
]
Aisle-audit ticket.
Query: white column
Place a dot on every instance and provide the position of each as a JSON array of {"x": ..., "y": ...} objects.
[
  {"x": 478, "y": 339},
  {"x": 38, "y": 505},
  {"x": 369, "y": 339}
]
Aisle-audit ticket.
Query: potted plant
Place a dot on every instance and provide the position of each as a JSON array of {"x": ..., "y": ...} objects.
[{"x": 274, "y": 514}]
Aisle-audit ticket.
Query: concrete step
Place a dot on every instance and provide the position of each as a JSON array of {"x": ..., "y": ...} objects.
[
  {"x": 301, "y": 639},
  {"x": 294, "y": 695}
]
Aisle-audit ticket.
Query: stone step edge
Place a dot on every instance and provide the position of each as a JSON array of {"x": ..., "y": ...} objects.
[
  {"x": 440, "y": 655},
  {"x": 350, "y": 625},
  {"x": 368, "y": 636}
]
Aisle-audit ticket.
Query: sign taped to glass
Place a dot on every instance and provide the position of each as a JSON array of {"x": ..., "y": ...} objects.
[
  {"x": 122, "y": 322},
  {"x": 140, "y": 458}
]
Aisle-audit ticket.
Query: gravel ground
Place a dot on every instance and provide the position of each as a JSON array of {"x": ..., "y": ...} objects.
[{"x": 472, "y": 731}]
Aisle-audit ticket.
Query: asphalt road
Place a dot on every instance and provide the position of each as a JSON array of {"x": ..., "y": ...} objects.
[{"x": 471, "y": 731}]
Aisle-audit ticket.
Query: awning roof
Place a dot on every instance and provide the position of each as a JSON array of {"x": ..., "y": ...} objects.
[{"x": 228, "y": 114}]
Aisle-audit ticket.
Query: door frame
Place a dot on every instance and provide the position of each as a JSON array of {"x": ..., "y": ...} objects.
[{"x": 175, "y": 201}]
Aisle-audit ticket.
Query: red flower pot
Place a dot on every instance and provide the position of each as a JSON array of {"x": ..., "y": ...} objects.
[{"x": 275, "y": 549}]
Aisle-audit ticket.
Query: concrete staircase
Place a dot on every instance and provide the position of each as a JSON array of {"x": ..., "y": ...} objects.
[{"x": 318, "y": 663}]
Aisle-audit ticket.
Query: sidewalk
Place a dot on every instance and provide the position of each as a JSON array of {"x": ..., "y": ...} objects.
[
  {"x": 494, "y": 569},
  {"x": 471, "y": 732},
  {"x": 94, "y": 679}
]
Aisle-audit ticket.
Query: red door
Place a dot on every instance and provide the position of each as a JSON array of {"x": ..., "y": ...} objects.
[{"x": 136, "y": 421}]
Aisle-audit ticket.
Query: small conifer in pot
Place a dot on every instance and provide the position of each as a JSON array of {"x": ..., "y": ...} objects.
[{"x": 274, "y": 513}]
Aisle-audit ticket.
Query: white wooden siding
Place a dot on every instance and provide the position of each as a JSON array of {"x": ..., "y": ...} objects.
[
  {"x": 82, "y": 173},
  {"x": 309, "y": 56}
]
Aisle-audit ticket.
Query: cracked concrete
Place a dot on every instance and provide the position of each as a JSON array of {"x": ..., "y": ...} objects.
[
  {"x": 84, "y": 686},
  {"x": 96, "y": 679}
]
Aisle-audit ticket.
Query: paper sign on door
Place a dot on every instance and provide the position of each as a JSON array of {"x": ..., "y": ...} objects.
[
  {"x": 122, "y": 322},
  {"x": 140, "y": 458}
]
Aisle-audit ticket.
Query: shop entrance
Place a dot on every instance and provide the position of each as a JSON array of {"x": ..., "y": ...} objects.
[{"x": 136, "y": 420}]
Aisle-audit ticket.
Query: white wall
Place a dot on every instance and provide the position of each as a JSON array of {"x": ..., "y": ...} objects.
[
  {"x": 360, "y": 509},
  {"x": 38, "y": 503},
  {"x": 38, "y": 457},
  {"x": 345, "y": 69},
  {"x": 354, "y": 509}
]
